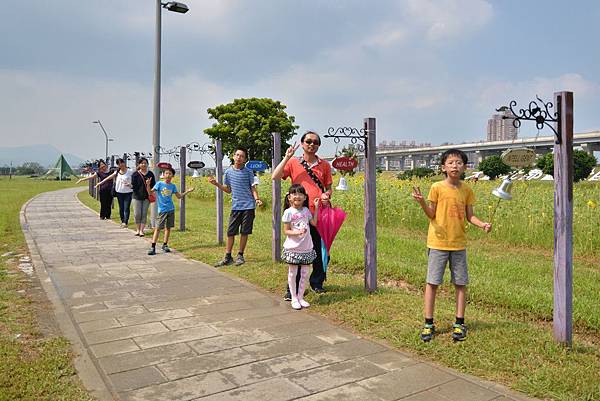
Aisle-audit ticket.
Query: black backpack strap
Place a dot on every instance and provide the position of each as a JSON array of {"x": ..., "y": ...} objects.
[{"x": 312, "y": 175}]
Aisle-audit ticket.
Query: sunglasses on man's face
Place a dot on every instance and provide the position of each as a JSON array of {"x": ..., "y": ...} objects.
[{"x": 312, "y": 142}]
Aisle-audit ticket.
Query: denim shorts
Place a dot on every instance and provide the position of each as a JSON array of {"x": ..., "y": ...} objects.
[{"x": 436, "y": 265}]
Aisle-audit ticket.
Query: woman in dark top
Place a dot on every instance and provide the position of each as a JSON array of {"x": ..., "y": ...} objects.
[
  {"x": 141, "y": 180},
  {"x": 105, "y": 190}
]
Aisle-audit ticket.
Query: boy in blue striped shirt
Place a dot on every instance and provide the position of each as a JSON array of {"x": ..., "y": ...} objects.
[{"x": 238, "y": 181}]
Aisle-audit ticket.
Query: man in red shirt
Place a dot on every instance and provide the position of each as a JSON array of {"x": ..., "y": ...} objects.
[{"x": 314, "y": 174}]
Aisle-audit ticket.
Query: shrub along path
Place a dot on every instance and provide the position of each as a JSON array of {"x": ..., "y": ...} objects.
[{"x": 169, "y": 328}]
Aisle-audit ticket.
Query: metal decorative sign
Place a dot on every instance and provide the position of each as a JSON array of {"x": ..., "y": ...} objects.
[
  {"x": 257, "y": 165},
  {"x": 164, "y": 165},
  {"x": 195, "y": 164},
  {"x": 344, "y": 163},
  {"x": 519, "y": 157},
  {"x": 540, "y": 113}
]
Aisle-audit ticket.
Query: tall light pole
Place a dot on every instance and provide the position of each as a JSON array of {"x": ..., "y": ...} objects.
[
  {"x": 178, "y": 8},
  {"x": 105, "y": 136}
]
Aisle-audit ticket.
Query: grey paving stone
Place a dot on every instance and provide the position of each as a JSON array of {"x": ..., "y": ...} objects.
[
  {"x": 195, "y": 365},
  {"x": 416, "y": 378},
  {"x": 270, "y": 349},
  {"x": 125, "y": 332},
  {"x": 343, "y": 351},
  {"x": 348, "y": 392},
  {"x": 86, "y": 316},
  {"x": 182, "y": 390},
  {"x": 96, "y": 325},
  {"x": 231, "y": 340},
  {"x": 330, "y": 376},
  {"x": 336, "y": 336},
  {"x": 269, "y": 368},
  {"x": 425, "y": 396},
  {"x": 154, "y": 317},
  {"x": 278, "y": 389},
  {"x": 391, "y": 360},
  {"x": 136, "y": 378},
  {"x": 179, "y": 336},
  {"x": 462, "y": 390},
  {"x": 114, "y": 348},
  {"x": 137, "y": 359}
]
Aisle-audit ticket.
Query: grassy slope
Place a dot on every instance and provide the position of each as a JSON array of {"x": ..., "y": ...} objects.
[{"x": 34, "y": 366}]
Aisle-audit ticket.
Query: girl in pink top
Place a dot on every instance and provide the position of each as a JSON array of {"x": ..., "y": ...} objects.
[{"x": 298, "y": 247}]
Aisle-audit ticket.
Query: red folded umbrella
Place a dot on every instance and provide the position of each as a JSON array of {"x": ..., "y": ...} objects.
[{"x": 328, "y": 224}]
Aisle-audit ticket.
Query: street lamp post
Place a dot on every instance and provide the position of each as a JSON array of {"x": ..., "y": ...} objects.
[
  {"x": 105, "y": 136},
  {"x": 178, "y": 8}
]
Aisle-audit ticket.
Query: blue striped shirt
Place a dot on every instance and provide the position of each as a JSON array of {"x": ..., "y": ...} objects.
[{"x": 240, "y": 182}]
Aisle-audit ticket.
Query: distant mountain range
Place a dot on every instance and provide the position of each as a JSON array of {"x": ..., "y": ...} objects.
[{"x": 45, "y": 154}]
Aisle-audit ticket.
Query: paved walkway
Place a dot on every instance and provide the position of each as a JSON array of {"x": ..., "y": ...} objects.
[{"x": 162, "y": 327}]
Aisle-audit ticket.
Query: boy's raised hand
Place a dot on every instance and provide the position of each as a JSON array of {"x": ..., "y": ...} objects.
[
  {"x": 487, "y": 227},
  {"x": 417, "y": 195},
  {"x": 212, "y": 180},
  {"x": 190, "y": 190},
  {"x": 291, "y": 150}
]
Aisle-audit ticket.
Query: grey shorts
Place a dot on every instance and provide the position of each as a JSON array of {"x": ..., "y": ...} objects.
[
  {"x": 140, "y": 210},
  {"x": 436, "y": 265},
  {"x": 240, "y": 222},
  {"x": 166, "y": 219}
]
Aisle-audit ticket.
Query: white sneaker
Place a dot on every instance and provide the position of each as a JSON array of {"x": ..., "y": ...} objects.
[
  {"x": 296, "y": 305},
  {"x": 304, "y": 304}
]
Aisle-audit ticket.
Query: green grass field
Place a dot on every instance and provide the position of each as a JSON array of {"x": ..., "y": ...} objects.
[
  {"x": 510, "y": 296},
  {"x": 34, "y": 365}
]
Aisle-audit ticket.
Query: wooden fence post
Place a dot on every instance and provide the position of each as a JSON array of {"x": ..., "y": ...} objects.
[
  {"x": 563, "y": 221},
  {"x": 370, "y": 206},
  {"x": 276, "y": 200},
  {"x": 219, "y": 200},
  {"x": 182, "y": 169}
]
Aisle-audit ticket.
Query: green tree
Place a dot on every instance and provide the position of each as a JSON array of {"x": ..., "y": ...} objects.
[
  {"x": 493, "y": 166},
  {"x": 249, "y": 123},
  {"x": 420, "y": 172},
  {"x": 583, "y": 164},
  {"x": 30, "y": 168}
]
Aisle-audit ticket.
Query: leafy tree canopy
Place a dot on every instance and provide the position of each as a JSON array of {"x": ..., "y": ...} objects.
[
  {"x": 583, "y": 164},
  {"x": 420, "y": 172},
  {"x": 249, "y": 123},
  {"x": 493, "y": 166}
]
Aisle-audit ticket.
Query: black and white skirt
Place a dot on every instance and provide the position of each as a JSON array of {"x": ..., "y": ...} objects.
[{"x": 298, "y": 258}]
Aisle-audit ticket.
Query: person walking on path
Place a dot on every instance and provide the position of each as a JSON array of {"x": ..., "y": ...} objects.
[
  {"x": 238, "y": 181},
  {"x": 314, "y": 174},
  {"x": 450, "y": 202},
  {"x": 166, "y": 208},
  {"x": 123, "y": 189},
  {"x": 141, "y": 182},
  {"x": 105, "y": 190},
  {"x": 298, "y": 251}
]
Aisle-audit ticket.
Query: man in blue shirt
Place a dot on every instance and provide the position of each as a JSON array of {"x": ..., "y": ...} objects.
[
  {"x": 238, "y": 181},
  {"x": 166, "y": 209}
]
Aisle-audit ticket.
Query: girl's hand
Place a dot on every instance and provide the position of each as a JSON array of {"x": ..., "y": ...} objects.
[
  {"x": 289, "y": 153},
  {"x": 487, "y": 227},
  {"x": 317, "y": 201},
  {"x": 324, "y": 199}
]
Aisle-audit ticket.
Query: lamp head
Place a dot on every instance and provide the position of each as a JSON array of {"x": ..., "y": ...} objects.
[{"x": 176, "y": 7}]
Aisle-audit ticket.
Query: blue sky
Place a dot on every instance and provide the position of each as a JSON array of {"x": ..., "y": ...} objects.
[{"x": 428, "y": 70}]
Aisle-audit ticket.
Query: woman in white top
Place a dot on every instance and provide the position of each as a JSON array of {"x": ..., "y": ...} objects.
[{"x": 123, "y": 189}]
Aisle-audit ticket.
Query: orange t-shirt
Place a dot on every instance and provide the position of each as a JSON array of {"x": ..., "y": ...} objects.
[
  {"x": 322, "y": 170},
  {"x": 447, "y": 229}
]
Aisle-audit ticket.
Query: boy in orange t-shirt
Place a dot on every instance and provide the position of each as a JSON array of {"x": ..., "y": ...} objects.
[{"x": 450, "y": 202}]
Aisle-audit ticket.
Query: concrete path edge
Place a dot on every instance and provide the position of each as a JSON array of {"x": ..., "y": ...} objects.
[{"x": 89, "y": 374}]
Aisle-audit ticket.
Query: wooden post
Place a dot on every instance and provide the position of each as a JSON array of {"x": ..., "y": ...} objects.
[
  {"x": 182, "y": 168},
  {"x": 563, "y": 220},
  {"x": 370, "y": 206},
  {"x": 276, "y": 200},
  {"x": 219, "y": 176}
]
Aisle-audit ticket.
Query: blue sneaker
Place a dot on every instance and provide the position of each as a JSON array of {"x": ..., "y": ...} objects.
[
  {"x": 427, "y": 332},
  {"x": 459, "y": 332}
]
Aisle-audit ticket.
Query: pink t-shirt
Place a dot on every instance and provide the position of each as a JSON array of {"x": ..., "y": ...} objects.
[{"x": 298, "y": 220}]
